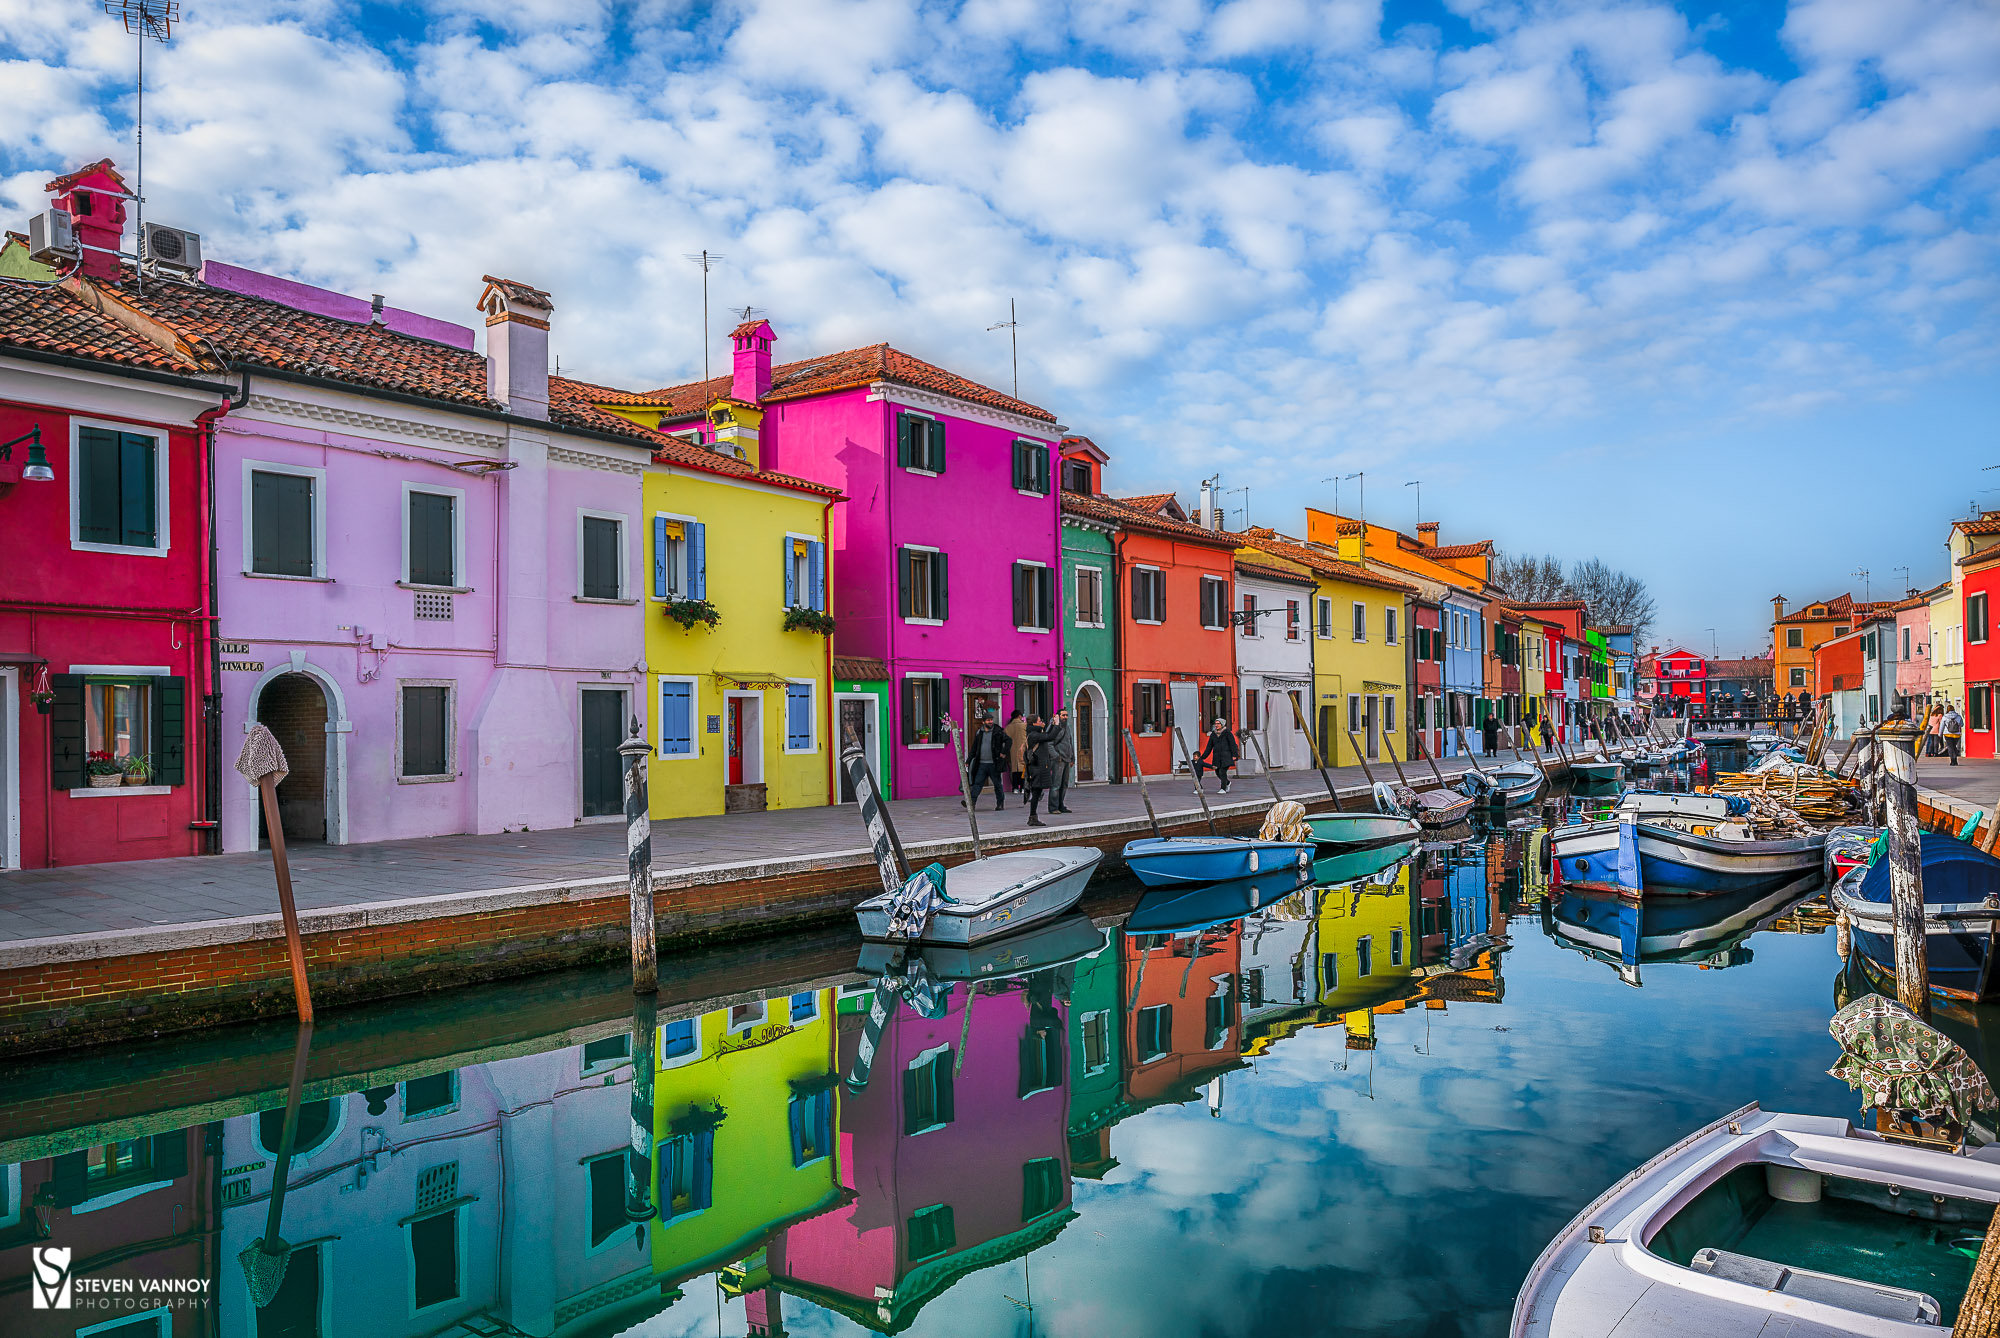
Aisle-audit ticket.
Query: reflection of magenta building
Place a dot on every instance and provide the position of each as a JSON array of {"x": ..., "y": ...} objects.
[
  {"x": 954, "y": 1169},
  {"x": 132, "y": 1210}
]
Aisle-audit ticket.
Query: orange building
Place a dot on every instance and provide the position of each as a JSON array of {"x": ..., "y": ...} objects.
[
  {"x": 1797, "y": 634},
  {"x": 1183, "y": 1030}
]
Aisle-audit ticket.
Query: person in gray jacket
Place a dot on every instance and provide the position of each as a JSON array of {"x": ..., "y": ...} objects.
[{"x": 1064, "y": 745}]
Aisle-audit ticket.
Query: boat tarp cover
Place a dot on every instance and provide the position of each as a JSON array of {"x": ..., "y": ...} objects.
[
  {"x": 1897, "y": 1062},
  {"x": 1286, "y": 821}
]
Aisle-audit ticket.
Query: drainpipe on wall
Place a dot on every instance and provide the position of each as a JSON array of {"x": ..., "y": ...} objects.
[
  {"x": 1114, "y": 710},
  {"x": 211, "y": 698},
  {"x": 832, "y": 716}
]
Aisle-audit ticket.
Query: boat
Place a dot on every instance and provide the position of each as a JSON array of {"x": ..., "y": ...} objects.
[
  {"x": 1057, "y": 942},
  {"x": 1766, "y": 1223},
  {"x": 990, "y": 897},
  {"x": 1961, "y": 905},
  {"x": 1335, "y": 832},
  {"x": 1182, "y": 909},
  {"x": 1354, "y": 865},
  {"x": 1431, "y": 808},
  {"x": 1162, "y": 861},
  {"x": 1504, "y": 787},
  {"x": 1597, "y": 770},
  {"x": 1847, "y": 847},
  {"x": 1710, "y": 931},
  {"x": 1673, "y": 855}
]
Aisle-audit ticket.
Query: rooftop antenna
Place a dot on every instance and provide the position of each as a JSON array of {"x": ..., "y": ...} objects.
[
  {"x": 143, "y": 19},
  {"x": 707, "y": 260},
  {"x": 1866, "y": 597},
  {"x": 1906, "y": 576},
  {"x": 1012, "y": 327},
  {"x": 1245, "y": 490},
  {"x": 1418, "y": 485}
]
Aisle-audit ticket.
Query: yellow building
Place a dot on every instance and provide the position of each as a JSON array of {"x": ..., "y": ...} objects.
[
  {"x": 1534, "y": 669},
  {"x": 738, "y": 634},
  {"x": 1360, "y": 651},
  {"x": 745, "y": 1103},
  {"x": 1948, "y": 643}
]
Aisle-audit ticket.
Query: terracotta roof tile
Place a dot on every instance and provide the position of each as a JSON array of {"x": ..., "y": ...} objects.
[
  {"x": 68, "y": 179},
  {"x": 861, "y": 668},
  {"x": 841, "y": 371},
  {"x": 1988, "y": 523},
  {"x": 520, "y": 292},
  {"x": 1122, "y": 512},
  {"x": 1321, "y": 561},
  {"x": 1550, "y": 604},
  {"x": 52, "y": 319},
  {"x": 582, "y": 398},
  {"x": 1250, "y": 567},
  {"x": 1484, "y": 546}
]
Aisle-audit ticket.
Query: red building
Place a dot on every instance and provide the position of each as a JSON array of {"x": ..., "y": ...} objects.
[
  {"x": 1426, "y": 676},
  {"x": 1175, "y": 654},
  {"x": 107, "y": 634},
  {"x": 1672, "y": 674},
  {"x": 1980, "y": 578}
]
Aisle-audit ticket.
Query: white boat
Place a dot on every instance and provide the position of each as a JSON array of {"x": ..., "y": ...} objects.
[
  {"x": 1670, "y": 855},
  {"x": 1597, "y": 770},
  {"x": 1507, "y": 786},
  {"x": 1000, "y": 894}
]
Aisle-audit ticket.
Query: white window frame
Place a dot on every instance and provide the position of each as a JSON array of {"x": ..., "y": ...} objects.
[
  {"x": 912, "y": 621},
  {"x": 1295, "y": 612},
  {"x": 1097, "y": 575},
  {"x": 1222, "y": 603},
  {"x": 162, "y": 492},
  {"x": 597, "y": 1066},
  {"x": 1795, "y": 638},
  {"x": 802, "y": 581},
  {"x": 1359, "y": 618},
  {"x": 620, "y": 1236},
  {"x": 1323, "y": 627},
  {"x": 458, "y": 569},
  {"x": 917, "y": 1062},
  {"x": 917, "y": 469},
  {"x": 682, "y": 584},
  {"x": 1390, "y": 631},
  {"x": 812, "y": 701},
  {"x": 1166, "y": 705},
  {"x": 318, "y": 475},
  {"x": 763, "y": 1007},
  {"x": 403, "y": 1099},
  {"x": 1049, "y": 471},
  {"x": 1055, "y": 595},
  {"x": 695, "y": 721},
  {"x": 1104, "y": 1016},
  {"x": 459, "y": 1246},
  {"x": 1984, "y": 617},
  {"x": 624, "y": 522},
  {"x": 667, "y": 1061},
  {"x": 1389, "y": 714},
  {"x": 920, "y": 673},
  {"x": 110, "y": 1327},
  {"x": 1798, "y": 677},
  {"x": 1159, "y": 572},
  {"x": 450, "y": 685}
]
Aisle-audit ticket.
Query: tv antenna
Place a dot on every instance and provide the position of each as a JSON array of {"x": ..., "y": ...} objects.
[
  {"x": 1012, "y": 327},
  {"x": 1866, "y": 595},
  {"x": 707, "y": 260},
  {"x": 144, "y": 19},
  {"x": 1419, "y": 486}
]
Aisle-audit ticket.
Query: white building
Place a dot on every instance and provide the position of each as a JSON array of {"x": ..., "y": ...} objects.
[{"x": 1273, "y": 660}]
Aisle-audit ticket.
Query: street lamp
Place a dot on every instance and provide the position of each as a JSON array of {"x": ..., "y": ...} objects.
[{"x": 37, "y": 469}]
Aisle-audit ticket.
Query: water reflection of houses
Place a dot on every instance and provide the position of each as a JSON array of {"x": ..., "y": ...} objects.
[
  {"x": 958, "y": 1111},
  {"x": 1096, "y": 1064},
  {"x": 1183, "y": 1030}
]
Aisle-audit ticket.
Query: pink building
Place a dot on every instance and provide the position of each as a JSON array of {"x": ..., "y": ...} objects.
[
  {"x": 1913, "y": 650},
  {"x": 949, "y": 549}
]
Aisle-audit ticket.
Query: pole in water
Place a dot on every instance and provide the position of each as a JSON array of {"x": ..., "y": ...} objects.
[
  {"x": 639, "y": 863},
  {"x": 262, "y": 763},
  {"x": 1906, "y": 870},
  {"x": 1195, "y": 772},
  {"x": 1257, "y": 742},
  {"x": 889, "y": 861},
  {"x": 639, "y": 1152},
  {"x": 965, "y": 787},
  {"x": 1319, "y": 758},
  {"x": 1139, "y": 774}
]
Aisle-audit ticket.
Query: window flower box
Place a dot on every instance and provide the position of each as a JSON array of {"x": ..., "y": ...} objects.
[
  {"x": 688, "y": 612},
  {"x": 808, "y": 620},
  {"x": 104, "y": 770}
]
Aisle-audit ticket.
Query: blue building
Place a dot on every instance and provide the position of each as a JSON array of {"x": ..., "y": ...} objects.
[{"x": 1464, "y": 615}]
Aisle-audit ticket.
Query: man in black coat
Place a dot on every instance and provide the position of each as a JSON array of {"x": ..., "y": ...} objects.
[
  {"x": 1218, "y": 751},
  {"x": 1044, "y": 766},
  {"x": 986, "y": 758}
]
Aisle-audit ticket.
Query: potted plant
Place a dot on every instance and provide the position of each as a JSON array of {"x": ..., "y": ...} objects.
[
  {"x": 44, "y": 699},
  {"x": 103, "y": 770},
  {"x": 809, "y": 620},
  {"x": 138, "y": 771},
  {"x": 688, "y": 612}
]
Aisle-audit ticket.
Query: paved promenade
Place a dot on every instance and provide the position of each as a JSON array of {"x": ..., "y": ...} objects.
[{"x": 85, "y": 899}]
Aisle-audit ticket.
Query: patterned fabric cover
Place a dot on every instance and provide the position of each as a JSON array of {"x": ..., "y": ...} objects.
[
  {"x": 1899, "y": 1063},
  {"x": 1285, "y": 822}
]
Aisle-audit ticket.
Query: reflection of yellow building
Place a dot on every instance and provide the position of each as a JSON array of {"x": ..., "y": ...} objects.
[
  {"x": 745, "y": 1099},
  {"x": 1364, "y": 961}
]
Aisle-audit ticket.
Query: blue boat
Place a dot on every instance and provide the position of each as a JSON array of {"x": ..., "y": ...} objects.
[
  {"x": 1184, "y": 909},
  {"x": 1629, "y": 934},
  {"x": 1165, "y": 861},
  {"x": 1678, "y": 856},
  {"x": 1961, "y": 905}
]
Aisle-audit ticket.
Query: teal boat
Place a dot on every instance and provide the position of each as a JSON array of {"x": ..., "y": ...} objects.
[{"x": 1335, "y": 832}]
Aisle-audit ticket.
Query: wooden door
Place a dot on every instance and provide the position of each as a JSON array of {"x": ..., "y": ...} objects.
[
  {"x": 733, "y": 725},
  {"x": 1083, "y": 725},
  {"x": 603, "y": 731},
  {"x": 854, "y": 716}
]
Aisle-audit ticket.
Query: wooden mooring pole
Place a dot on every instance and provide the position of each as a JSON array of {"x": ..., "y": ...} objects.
[
  {"x": 1139, "y": 774},
  {"x": 639, "y": 863},
  {"x": 1319, "y": 758},
  {"x": 1898, "y": 741},
  {"x": 262, "y": 763}
]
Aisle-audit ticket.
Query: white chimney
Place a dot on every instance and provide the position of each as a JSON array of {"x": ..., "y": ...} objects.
[
  {"x": 517, "y": 346},
  {"x": 1209, "y": 516}
]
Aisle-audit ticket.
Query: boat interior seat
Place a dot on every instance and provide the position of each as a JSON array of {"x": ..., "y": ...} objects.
[{"x": 1896, "y": 1303}]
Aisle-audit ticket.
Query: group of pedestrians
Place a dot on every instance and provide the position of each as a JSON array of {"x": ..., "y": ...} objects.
[{"x": 1034, "y": 755}]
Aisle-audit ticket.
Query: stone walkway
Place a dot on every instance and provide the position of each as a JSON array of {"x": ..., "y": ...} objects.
[{"x": 38, "y": 904}]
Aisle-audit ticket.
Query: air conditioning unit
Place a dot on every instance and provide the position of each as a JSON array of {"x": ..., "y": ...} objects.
[
  {"x": 724, "y": 446},
  {"x": 52, "y": 237},
  {"x": 172, "y": 249}
]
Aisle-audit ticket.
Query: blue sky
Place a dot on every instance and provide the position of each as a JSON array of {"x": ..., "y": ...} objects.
[{"x": 1708, "y": 292}]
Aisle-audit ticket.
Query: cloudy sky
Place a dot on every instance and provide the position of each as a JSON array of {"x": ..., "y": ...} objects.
[{"x": 1707, "y": 291}]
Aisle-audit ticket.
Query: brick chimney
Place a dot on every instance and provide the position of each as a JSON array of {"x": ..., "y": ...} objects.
[
  {"x": 1777, "y": 607},
  {"x": 750, "y": 345},
  {"x": 1427, "y": 533},
  {"x": 517, "y": 345},
  {"x": 94, "y": 198}
]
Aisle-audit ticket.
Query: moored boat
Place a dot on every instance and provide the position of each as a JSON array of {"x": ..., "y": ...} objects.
[
  {"x": 1055, "y": 942},
  {"x": 1353, "y": 865},
  {"x": 1431, "y": 808},
  {"x": 1335, "y": 832},
  {"x": 986, "y": 898},
  {"x": 1160, "y": 861},
  {"x": 1678, "y": 856},
  {"x": 1597, "y": 771},
  {"x": 1709, "y": 930},
  {"x": 1961, "y": 906},
  {"x": 1185, "y": 908},
  {"x": 1504, "y": 787}
]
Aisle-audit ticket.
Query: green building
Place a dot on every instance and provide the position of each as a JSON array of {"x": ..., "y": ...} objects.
[
  {"x": 1096, "y": 1070},
  {"x": 861, "y": 704},
  {"x": 1090, "y": 584}
]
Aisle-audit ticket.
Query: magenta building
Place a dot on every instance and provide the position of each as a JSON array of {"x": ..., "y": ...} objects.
[{"x": 949, "y": 547}]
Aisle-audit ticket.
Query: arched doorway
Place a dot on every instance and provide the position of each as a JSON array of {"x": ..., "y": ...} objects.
[
  {"x": 1091, "y": 721},
  {"x": 293, "y": 707}
]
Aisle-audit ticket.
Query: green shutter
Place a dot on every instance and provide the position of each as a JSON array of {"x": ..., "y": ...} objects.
[
  {"x": 169, "y": 731},
  {"x": 138, "y": 497},
  {"x": 905, "y": 451},
  {"x": 940, "y": 587},
  {"x": 97, "y": 486},
  {"x": 66, "y": 738},
  {"x": 431, "y": 526},
  {"x": 934, "y": 435}
]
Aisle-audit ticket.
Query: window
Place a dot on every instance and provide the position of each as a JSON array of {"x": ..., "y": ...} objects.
[
  {"x": 923, "y": 707},
  {"x": 1250, "y": 709},
  {"x": 1214, "y": 602},
  {"x": 431, "y": 539},
  {"x": 1031, "y": 468},
  {"x": 295, "y": 1311},
  {"x": 743, "y": 1017},
  {"x": 1031, "y": 696},
  {"x": 801, "y": 718},
  {"x": 434, "y": 1095},
  {"x": 687, "y": 1173},
  {"x": 923, "y": 583},
  {"x": 931, "y": 1231},
  {"x": 424, "y": 732},
  {"x": 1868, "y": 646},
  {"x": 677, "y": 1039},
  {"x": 1291, "y": 620},
  {"x": 607, "y": 1197},
  {"x": 1034, "y": 597},
  {"x": 1090, "y": 597},
  {"x": 804, "y": 564},
  {"x": 1041, "y": 1060},
  {"x": 680, "y": 558},
  {"x": 927, "y": 1092},
  {"x": 1360, "y": 622},
  {"x": 1906, "y": 643},
  {"x": 1149, "y": 595},
  {"x": 1155, "y": 1032},
  {"x": 677, "y": 696},
  {"x": 1219, "y": 1013},
  {"x": 1979, "y": 708},
  {"x": 1076, "y": 476},
  {"x": 1329, "y": 971},
  {"x": 601, "y": 556},
  {"x": 1214, "y": 705},
  {"x": 1842, "y": 631},
  {"x": 810, "y": 1116},
  {"x": 804, "y": 1007},
  {"x": 920, "y": 443},
  {"x": 1795, "y": 638},
  {"x": 117, "y": 490},
  {"x": 118, "y": 718},
  {"x": 434, "y": 1259},
  {"x": 1323, "y": 618},
  {"x": 1149, "y": 708},
  {"x": 609, "y": 1053},
  {"x": 1389, "y": 713},
  {"x": 1354, "y": 711},
  {"x": 1364, "y": 956},
  {"x": 1095, "y": 1039},
  {"x": 284, "y": 521},
  {"x": 1975, "y": 617},
  {"x": 1389, "y": 626},
  {"x": 158, "y": 1322},
  {"x": 1041, "y": 1187},
  {"x": 1250, "y": 615},
  {"x": 1395, "y": 947}
]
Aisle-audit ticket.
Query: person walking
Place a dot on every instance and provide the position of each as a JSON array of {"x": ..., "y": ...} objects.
[
  {"x": 1065, "y": 747},
  {"x": 1489, "y": 734},
  {"x": 986, "y": 754},
  {"x": 1954, "y": 730},
  {"x": 1218, "y": 753},
  {"x": 1017, "y": 741},
  {"x": 1934, "y": 740},
  {"x": 1042, "y": 767},
  {"x": 1548, "y": 735}
]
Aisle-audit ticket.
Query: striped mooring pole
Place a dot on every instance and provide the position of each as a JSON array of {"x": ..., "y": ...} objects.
[
  {"x": 639, "y": 864},
  {"x": 1897, "y": 741},
  {"x": 639, "y": 1152}
]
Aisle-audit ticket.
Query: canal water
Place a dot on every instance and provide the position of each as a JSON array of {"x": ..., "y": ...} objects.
[{"x": 1361, "y": 1109}]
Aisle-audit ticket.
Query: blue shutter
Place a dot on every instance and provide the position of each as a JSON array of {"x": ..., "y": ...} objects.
[
  {"x": 697, "y": 551},
  {"x": 816, "y": 561},
  {"x": 659, "y": 557},
  {"x": 798, "y": 715},
  {"x": 704, "y": 1168},
  {"x": 798, "y": 1116},
  {"x": 785, "y": 542},
  {"x": 676, "y": 719}
]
